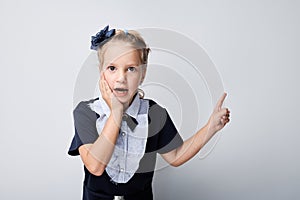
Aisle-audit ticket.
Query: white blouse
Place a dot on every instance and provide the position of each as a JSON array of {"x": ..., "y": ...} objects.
[{"x": 131, "y": 143}]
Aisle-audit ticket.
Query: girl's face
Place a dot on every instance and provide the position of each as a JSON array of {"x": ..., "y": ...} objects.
[{"x": 123, "y": 71}]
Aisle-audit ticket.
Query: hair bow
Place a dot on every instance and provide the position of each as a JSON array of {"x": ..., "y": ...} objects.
[{"x": 101, "y": 36}]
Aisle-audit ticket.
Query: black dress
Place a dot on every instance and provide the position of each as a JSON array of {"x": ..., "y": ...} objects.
[{"x": 162, "y": 138}]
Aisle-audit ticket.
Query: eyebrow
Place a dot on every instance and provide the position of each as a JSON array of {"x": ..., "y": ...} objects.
[
  {"x": 127, "y": 65},
  {"x": 132, "y": 65}
]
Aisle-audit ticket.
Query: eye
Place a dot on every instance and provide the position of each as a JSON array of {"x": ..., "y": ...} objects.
[
  {"x": 111, "y": 68},
  {"x": 131, "y": 69}
]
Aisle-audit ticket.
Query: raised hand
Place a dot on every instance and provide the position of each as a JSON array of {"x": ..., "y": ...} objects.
[
  {"x": 220, "y": 116},
  {"x": 190, "y": 147}
]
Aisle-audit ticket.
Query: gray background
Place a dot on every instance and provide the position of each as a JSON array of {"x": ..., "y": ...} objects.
[{"x": 254, "y": 45}]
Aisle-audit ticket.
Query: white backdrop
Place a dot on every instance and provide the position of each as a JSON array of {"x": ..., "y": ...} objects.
[{"x": 254, "y": 45}]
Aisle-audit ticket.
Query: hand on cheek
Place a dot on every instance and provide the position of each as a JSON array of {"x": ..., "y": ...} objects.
[{"x": 108, "y": 95}]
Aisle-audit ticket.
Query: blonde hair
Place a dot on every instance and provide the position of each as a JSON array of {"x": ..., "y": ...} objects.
[
  {"x": 131, "y": 37},
  {"x": 135, "y": 40}
]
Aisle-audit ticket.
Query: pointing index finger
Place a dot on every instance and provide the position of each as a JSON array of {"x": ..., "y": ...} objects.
[{"x": 221, "y": 100}]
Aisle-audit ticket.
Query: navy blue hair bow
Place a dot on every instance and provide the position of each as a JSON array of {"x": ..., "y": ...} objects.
[{"x": 101, "y": 36}]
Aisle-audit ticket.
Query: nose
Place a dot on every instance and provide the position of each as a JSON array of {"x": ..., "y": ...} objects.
[{"x": 121, "y": 77}]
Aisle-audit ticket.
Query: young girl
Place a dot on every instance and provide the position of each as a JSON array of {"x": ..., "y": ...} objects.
[{"x": 119, "y": 134}]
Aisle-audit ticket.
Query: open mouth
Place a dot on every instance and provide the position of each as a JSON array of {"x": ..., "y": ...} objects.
[{"x": 121, "y": 90}]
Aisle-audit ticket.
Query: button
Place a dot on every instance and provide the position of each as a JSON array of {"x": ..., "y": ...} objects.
[
  {"x": 123, "y": 134},
  {"x": 118, "y": 197},
  {"x": 125, "y": 117},
  {"x": 122, "y": 169}
]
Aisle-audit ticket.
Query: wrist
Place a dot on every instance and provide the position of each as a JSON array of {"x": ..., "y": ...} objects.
[
  {"x": 117, "y": 112},
  {"x": 210, "y": 129},
  {"x": 116, "y": 116}
]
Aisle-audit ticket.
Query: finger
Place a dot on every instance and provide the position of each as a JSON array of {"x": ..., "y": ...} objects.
[
  {"x": 102, "y": 88},
  {"x": 223, "y": 121},
  {"x": 227, "y": 120},
  {"x": 222, "y": 112},
  {"x": 101, "y": 80},
  {"x": 228, "y": 112},
  {"x": 103, "y": 75},
  {"x": 225, "y": 115},
  {"x": 107, "y": 89},
  {"x": 221, "y": 100}
]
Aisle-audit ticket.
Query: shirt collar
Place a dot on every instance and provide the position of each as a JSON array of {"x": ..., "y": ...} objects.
[
  {"x": 102, "y": 108},
  {"x": 133, "y": 109}
]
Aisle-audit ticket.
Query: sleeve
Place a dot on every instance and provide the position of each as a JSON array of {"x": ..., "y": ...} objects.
[
  {"x": 85, "y": 127},
  {"x": 169, "y": 138}
]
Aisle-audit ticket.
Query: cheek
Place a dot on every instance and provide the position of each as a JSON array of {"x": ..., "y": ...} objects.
[{"x": 134, "y": 82}]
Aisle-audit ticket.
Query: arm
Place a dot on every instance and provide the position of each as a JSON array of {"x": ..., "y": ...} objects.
[
  {"x": 218, "y": 119},
  {"x": 97, "y": 155}
]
